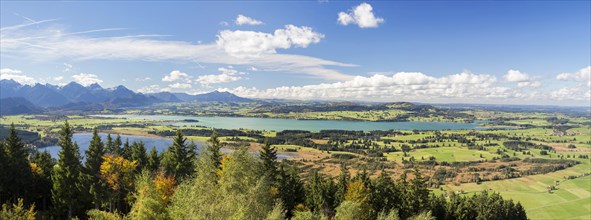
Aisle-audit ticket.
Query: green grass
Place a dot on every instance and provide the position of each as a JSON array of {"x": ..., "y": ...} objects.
[
  {"x": 295, "y": 147},
  {"x": 449, "y": 154},
  {"x": 572, "y": 199}
]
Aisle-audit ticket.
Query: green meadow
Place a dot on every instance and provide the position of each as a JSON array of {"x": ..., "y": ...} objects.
[{"x": 570, "y": 200}]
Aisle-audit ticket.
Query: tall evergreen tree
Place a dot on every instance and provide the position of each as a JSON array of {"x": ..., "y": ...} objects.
[
  {"x": 42, "y": 180},
  {"x": 178, "y": 160},
  {"x": 320, "y": 194},
  {"x": 153, "y": 160},
  {"x": 18, "y": 170},
  {"x": 126, "y": 151},
  {"x": 416, "y": 196},
  {"x": 66, "y": 174},
  {"x": 213, "y": 150},
  {"x": 383, "y": 196},
  {"x": 342, "y": 181},
  {"x": 138, "y": 153},
  {"x": 3, "y": 173},
  {"x": 268, "y": 157},
  {"x": 94, "y": 158},
  {"x": 109, "y": 145},
  {"x": 117, "y": 150},
  {"x": 291, "y": 188}
]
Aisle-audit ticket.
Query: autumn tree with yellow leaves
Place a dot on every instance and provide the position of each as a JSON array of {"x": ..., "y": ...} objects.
[{"x": 118, "y": 173}]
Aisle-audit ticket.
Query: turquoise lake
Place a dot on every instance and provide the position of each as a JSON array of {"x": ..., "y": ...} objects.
[{"x": 272, "y": 124}]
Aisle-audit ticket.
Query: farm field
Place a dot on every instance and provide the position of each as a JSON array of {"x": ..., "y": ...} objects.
[
  {"x": 571, "y": 199},
  {"x": 479, "y": 150}
]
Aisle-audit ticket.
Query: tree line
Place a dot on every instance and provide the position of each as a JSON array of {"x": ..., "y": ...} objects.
[{"x": 119, "y": 180}]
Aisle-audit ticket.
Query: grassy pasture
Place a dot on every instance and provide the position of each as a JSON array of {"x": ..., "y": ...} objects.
[
  {"x": 571, "y": 200},
  {"x": 449, "y": 154}
]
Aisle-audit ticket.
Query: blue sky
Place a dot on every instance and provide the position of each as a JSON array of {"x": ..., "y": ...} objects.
[{"x": 429, "y": 51}]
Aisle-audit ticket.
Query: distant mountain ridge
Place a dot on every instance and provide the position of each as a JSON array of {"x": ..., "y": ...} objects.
[
  {"x": 55, "y": 96},
  {"x": 74, "y": 96},
  {"x": 17, "y": 105},
  {"x": 215, "y": 96}
]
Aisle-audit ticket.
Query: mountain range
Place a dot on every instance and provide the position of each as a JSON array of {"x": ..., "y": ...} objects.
[{"x": 16, "y": 98}]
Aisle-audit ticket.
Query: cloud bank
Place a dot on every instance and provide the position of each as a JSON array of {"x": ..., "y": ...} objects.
[{"x": 16, "y": 75}]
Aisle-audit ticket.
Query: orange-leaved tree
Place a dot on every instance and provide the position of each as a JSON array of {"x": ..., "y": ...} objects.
[{"x": 118, "y": 173}]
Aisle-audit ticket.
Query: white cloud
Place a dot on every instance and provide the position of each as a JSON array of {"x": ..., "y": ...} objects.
[
  {"x": 516, "y": 76},
  {"x": 226, "y": 75},
  {"x": 58, "y": 78},
  {"x": 230, "y": 71},
  {"x": 86, "y": 79},
  {"x": 523, "y": 80},
  {"x": 177, "y": 76},
  {"x": 180, "y": 86},
  {"x": 578, "y": 93},
  {"x": 245, "y": 44},
  {"x": 151, "y": 89},
  {"x": 244, "y": 20},
  {"x": 362, "y": 15},
  {"x": 50, "y": 43},
  {"x": 581, "y": 75},
  {"x": 16, "y": 75},
  {"x": 207, "y": 80},
  {"x": 10, "y": 71}
]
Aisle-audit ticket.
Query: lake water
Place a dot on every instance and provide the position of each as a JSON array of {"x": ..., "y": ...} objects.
[
  {"x": 83, "y": 140},
  {"x": 292, "y": 124},
  {"x": 161, "y": 144}
]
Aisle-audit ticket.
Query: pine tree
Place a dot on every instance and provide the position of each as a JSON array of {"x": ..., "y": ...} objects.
[
  {"x": 383, "y": 196},
  {"x": 416, "y": 196},
  {"x": 138, "y": 153},
  {"x": 18, "y": 170},
  {"x": 213, "y": 150},
  {"x": 66, "y": 175},
  {"x": 291, "y": 188},
  {"x": 268, "y": 156},
  {"x": 109, "y": 145},
  {"x": 117, "y": 150},
  {"x": 3, "y": 172},
  {"x": 153, "y": 160},
  {"x": 42, "y": 189},
  {"x": 178, "y": 160},
  {"x": 342, "y": 182},
  {"x": 92, "y": 166},
  {"x": 320, "y": 194},
  {"x": 126, "y": 152}
]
